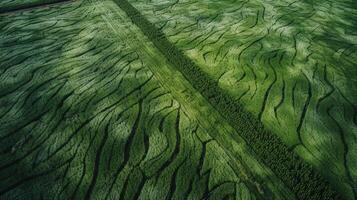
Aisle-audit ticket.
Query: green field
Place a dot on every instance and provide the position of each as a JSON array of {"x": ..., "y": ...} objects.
[
  {"x": 291, "y": 63},
  {"x": 87, "y": 113},
  {"x": 92, "y": 106}
]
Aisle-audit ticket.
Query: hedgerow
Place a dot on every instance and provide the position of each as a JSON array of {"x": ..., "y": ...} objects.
[{"x": 300, "y": 177}]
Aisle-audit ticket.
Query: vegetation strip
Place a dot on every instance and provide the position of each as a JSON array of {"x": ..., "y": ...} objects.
[
  {"x": 29, "y": 5},
  {"x": 299, "y": 176}
]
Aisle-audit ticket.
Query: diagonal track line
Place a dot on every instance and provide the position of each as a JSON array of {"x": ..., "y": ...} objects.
[{"x": 298, "y": 175}]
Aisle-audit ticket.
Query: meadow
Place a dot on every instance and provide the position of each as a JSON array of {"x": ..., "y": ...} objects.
[
  {"x": 134, "y": 99},
  {"x": 89, "y": 110},
  {"x": 291, "y": 64}
]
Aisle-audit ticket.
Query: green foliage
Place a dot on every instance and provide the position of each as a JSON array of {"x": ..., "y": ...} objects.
[{"x": 299, "y": 176}]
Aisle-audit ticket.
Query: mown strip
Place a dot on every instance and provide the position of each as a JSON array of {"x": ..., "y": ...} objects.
[
  {"x": 28, "y": 5},
  {"x": 298, "y": 175}
]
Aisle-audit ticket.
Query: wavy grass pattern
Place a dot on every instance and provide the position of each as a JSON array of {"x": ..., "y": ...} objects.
[
  {"x": 291, "y": 63},
  {"x": 89, "y": 109}
]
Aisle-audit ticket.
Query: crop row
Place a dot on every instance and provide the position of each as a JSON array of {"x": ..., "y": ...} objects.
[{"x": 299, "y": 176}]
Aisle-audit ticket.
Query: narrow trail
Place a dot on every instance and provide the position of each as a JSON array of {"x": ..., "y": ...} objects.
[{"x": 196, "y": 107}]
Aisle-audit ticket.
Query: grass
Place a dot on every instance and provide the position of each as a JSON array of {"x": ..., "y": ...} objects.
[
  {"x": 91, "y": 109},
  {"x": 291, "y": 64}
]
